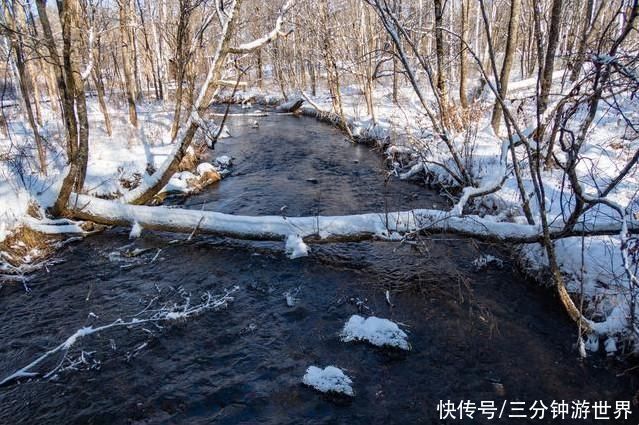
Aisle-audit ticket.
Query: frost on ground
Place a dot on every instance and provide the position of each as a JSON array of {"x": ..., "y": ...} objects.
[
  {"x": 295, "y": 247},
  {"x": 377, "y": 331},
  {"x": 328, "y": 380}
]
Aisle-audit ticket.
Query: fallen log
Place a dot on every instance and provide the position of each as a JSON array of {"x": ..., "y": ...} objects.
[
  {"x": 291, "y": 105},
  {"x": 388, "y": 226}
]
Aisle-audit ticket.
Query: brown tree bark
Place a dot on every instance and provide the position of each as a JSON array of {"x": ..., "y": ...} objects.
[
  {"x": 509, "y": 54},
  {"x": 549, "y": 61},
  {"x": 127, "y": 69},
  {"x": 71, "y": 88},
  {"x": 440, "y": 49},
  {"x": 583, "y": 41},
  {"x": 181, "y": 60},
  {"x": 463, "y": 64},
  {"x": 15, "y": 21}
]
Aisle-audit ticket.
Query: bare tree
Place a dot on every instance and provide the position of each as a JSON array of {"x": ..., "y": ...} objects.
[
  {"x": 126, "y": 36},
  {"x": 14, "y": 17},
  {"x": 509, "y": 54}
]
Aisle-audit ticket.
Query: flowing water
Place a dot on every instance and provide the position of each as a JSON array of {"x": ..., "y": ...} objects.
[{"x": 489, "y": 335}]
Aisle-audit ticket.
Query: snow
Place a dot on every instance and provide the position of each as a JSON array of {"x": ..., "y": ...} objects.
[
  {"x": 592, "y": 343},
  {"x": 377, "y": 331},
  {"x": 80, "y": 333},
  {"x": 485, "y": 260},
  {"x": 404, "y": 135},
  {"x": 295, "y": 247},
  {"x": 205, "y": 167},
  {"x": 223, "y": 161},
  {"x": 328, "y": 380},
  {"x": 295, "y": 229},
  {"x": 136, "y": 231}
]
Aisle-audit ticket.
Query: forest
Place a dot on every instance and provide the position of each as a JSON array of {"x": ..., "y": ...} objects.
[{"x": 453, "y": 183}]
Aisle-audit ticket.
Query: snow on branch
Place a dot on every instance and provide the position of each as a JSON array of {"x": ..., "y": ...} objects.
[
  {"x": 268, "y": 38},
  {"x": 209, "y": 302}
]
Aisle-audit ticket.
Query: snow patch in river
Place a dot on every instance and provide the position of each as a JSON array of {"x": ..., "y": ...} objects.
[
  {"x": 329, "y": 379},
  {"x": 295, "y": 247},
  {"x": 136, "y": 231},
  {"x": 377, "y": 331}
]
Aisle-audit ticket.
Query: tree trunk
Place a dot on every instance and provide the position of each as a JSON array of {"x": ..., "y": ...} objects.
[
  {"x": 463, "y": 98},
  {"x": 71, "y": 88},
  {"x": 129, "y": 78},
  {"x": 511, "y": 47},
  {"x": 181, "y": 61},
  {"x": 583, "y": 41},
  {"x": 15, "y": 23},
  {"x": 440, "y": 49},
  {"x": 99, "y": 86},
  {"x": 549, "y": 62}
]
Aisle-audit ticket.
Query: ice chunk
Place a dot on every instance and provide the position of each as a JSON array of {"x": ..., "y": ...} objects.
[
  {"x": 136, "y": 231},
  {"x": 295, "y": 247},
  {"x": 223, "y": 161},
  {"x": 329, "y": 379},
  {"x": 377, "y": 331}
]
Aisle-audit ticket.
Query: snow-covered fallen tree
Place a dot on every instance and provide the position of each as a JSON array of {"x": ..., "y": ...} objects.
[{"x": 321, "y": 228}]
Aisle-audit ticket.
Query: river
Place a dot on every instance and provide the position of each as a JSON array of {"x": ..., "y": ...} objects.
[{"x": 487, "y": 335}]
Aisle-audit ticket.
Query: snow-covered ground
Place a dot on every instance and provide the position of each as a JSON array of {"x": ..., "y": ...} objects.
[{"x": 115, "y": 162}]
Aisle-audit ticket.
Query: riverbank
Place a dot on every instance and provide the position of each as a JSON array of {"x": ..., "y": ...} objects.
[
  {"x": 118, "y": 162},
  {"x": 477, "y": 332},
  {"x": 594, "y": 267}
]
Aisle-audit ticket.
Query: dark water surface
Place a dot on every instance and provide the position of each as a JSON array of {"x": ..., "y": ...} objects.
[{"x": 488, "y": 335}]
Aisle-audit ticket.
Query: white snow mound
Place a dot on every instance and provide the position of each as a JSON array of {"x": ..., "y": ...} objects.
[
  {"x": 223, "y": 161},
  {"x": 329, "y": 379},
  {"x": 295, "y": 247},
  {"x": 205, "y": 167},
  {"x": 136, "y": 231},
  {"x": 377, "y": 331}
]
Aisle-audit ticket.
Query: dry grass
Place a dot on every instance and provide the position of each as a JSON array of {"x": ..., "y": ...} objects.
[
  {"x": 24, "y": 249},
  {"x": 458, "y": 118},
  {"x": 26, "y": 246}
]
